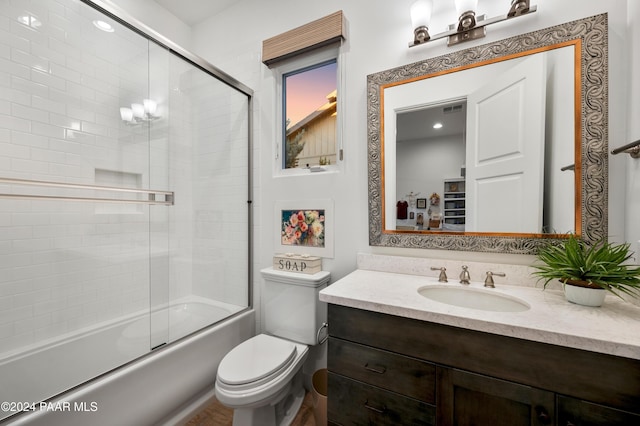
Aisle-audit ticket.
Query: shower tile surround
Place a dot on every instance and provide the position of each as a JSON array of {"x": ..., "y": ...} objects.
[
  {"x": 67, "y": 266},
  {"x": 59, "y": 124},
  {"x": 610, "y": 329}
]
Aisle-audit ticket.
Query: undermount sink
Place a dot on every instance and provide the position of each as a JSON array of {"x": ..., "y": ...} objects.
[{"x": 468, "y": 297}]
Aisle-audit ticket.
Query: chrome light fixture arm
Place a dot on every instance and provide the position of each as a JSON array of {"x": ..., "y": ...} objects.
[{"x": 472, "y": 27}]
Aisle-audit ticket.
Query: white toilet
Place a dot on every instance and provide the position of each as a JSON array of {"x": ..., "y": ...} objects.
[{"x": 261, "y": 378}]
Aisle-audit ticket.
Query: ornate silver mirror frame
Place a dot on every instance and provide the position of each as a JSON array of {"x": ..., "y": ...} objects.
[{"x": 590, "y": 38}]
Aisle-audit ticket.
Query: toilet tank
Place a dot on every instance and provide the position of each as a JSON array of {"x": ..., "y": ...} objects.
[{"x": 291, "y": 305}]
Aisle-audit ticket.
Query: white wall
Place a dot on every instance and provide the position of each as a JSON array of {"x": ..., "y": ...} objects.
[
  {"x": 422, "y": 165},
  {"x": 378, "y": 34}
]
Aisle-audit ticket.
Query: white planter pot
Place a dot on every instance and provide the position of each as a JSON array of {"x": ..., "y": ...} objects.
[{"x": 584, "y": 296}]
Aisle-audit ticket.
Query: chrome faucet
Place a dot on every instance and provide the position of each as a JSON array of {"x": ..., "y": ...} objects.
[
  {"x": 488, "y": 282},
  {"x": 465, "y": 278},
  {"x": 443, "y": 275}
]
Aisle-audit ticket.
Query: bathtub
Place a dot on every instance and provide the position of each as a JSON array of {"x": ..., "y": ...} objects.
[{"x": 158, "y": 387}]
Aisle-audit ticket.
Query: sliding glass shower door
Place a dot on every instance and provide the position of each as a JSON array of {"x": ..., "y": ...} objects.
[
  {"x": 124, "y": 177},
  {"x": 200, "y": 150}
]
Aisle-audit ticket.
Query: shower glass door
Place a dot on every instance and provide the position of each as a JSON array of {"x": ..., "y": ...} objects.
[
  {"x": 76, "y": 198},
  {"x": 124, "y": 178},
  {"x": 207, "y": 167},
  {"x": 199, "y": 246}
]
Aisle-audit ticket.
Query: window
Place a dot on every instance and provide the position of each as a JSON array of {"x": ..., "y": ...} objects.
[
  {"x": 308, "y": 130},
  {"x": 310, "y": 116},
  {"x": 308, "y": 73}
]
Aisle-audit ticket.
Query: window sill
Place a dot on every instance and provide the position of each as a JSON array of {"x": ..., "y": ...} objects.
[{"x": 313, "y": 171}]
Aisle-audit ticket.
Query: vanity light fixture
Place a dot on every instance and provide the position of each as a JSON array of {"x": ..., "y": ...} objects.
[
  {"x": 420, "y": 17},
  {"x": 437, "y": 126},
  {"x": 139, "y": 113},
  {"x": 470, "y": 25}
]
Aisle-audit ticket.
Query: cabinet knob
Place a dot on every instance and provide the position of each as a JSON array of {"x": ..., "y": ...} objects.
[
  {"x": 376, "y": 369},
  {"x": 543, "y": 416}
]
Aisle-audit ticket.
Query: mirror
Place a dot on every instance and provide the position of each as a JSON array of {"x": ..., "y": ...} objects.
[
  {"x": 468, "y": 187},
  {"x": 523, "y": 136}
]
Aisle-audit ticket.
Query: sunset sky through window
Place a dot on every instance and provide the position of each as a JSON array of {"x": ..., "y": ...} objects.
[{"x": 307, "y": 91}]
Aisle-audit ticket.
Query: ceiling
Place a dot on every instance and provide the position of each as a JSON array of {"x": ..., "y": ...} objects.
[
  {"x": 192, "y": 12},
  {"x": 418, "y": 124}
]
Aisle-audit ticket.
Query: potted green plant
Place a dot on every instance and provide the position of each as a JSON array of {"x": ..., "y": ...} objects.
[{"x": 589, "y": 270}]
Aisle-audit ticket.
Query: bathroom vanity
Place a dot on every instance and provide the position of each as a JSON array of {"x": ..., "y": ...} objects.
[
  {"x": 404, "y": 349},
  {"x": 397, "y": 357}
]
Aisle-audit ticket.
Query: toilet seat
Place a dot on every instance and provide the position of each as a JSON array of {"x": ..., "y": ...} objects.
[{"x": 255, "y": 362}]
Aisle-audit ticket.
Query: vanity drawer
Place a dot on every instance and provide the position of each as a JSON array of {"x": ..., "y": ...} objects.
[
  {"x": 388, "y": 370},
  {"x": 354, "y": 403}
]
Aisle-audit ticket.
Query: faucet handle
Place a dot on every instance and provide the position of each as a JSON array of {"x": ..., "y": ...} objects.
[
  {"x": 488, "y": 282},
  {"x": 443, "y": 275},
  {"x": 465, "y": 278}
]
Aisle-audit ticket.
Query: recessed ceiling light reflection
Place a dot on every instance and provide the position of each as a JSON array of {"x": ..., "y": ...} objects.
[
  {"x": 437, "y": 126},
  {"x": 104, "y": 26}
]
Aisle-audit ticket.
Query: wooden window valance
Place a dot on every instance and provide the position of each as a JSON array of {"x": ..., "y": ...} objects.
[{"x": 318, "y": 33}]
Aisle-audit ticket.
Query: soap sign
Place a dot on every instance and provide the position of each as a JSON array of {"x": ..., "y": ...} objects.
[
  {"x": 295, "y": 263},
  {"x": 292, "y": 265}
]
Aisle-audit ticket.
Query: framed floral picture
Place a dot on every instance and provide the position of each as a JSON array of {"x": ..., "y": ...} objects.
[{"x": 305, "y": 227}]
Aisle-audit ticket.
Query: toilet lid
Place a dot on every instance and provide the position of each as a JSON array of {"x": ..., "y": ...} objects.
[{"x": 255, "y": 359}]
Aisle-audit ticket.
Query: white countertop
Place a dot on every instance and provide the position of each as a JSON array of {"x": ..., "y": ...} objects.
[{"x": 613, "y": 328}]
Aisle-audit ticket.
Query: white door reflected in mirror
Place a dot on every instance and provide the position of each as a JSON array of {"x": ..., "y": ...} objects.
[{"x": 505, "y": 151}]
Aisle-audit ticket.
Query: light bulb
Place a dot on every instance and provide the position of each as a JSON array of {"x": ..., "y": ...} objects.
[
  {"x": 138, "y": 110},
  {"x": 126, "y": 114},
  {"x": 463, "y": 6},
  {"x": 150, "y": 106},
  {"x": 421, "y": 13}
]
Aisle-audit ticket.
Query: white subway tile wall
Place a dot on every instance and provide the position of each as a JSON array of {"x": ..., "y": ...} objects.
[{"x": 69, "y": 265}]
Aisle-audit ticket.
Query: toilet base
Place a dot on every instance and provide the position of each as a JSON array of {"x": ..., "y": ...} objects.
[{"x": 280, "y": 414}]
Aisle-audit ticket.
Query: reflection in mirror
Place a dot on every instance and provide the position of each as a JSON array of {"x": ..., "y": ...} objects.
[
  {"x": 529, "y": 108},
  {"x": 522, "y": 132}
]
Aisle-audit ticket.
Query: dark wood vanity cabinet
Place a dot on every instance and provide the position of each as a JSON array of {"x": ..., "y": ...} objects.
[
  {"x": 466, "y": 398},
  {"x": 385, "y": 369},
  {"x": 574, "y": 412}
]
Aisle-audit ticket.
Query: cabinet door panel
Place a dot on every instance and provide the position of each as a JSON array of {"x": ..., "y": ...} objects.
[
  {"x": 394, "y": 372},
  {"x": 574, "y": 412},
  {"x": 354, "y": 403},
  {"x": 469, "y": 399}
]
